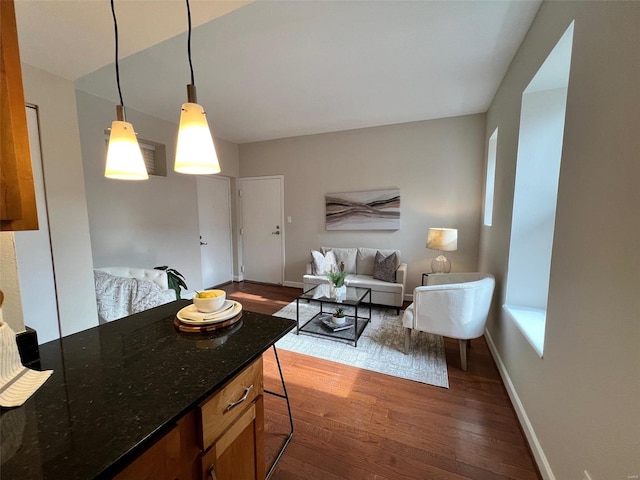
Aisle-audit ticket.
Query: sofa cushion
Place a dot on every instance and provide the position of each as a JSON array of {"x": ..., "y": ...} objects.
[
  {"x": 315, "y": 279},
  {"x": 346, "y": 255},
  {"x": 366, "y": 259},
  {"x": 366, "y": 281},
  {"x": 385, "y": 267},
  {"x": 323, "y": 264}
]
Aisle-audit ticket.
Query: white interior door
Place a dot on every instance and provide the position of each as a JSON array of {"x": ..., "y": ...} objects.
[
  {"x": 33, "y": 254},
  {"x": 214, "y": 215},
  {"x": 262, "y": 200}
]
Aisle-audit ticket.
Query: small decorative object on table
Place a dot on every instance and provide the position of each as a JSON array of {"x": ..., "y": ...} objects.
[
  {"x": 209, "y": 301},
  {"x": 191, "y": 319},
  {"x": 327, "y": 320},
  {"x": 339, "y": 317},
  {"x": 338, "y": 288}
]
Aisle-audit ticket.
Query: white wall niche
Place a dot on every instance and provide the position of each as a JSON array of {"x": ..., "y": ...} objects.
[
  {"x": 540, "y": 141},
  {"x": 490, "y": 179}
]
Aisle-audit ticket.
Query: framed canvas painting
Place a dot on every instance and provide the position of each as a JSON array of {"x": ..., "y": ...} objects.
[{"x": 369, "y": 210}]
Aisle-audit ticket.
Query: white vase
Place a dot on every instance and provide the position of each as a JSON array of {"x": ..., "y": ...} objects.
[{"x": 340, "y": 293}]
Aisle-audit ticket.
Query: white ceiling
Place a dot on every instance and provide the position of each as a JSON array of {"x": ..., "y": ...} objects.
[{"x": 274, "y": 69}]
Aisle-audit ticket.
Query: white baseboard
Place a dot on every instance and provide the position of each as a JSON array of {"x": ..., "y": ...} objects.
[
  {"x": 536, "y": 448},
  {"x": 238, "y": 278}
]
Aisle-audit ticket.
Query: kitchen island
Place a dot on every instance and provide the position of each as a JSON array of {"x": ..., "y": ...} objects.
[{"x": 123, "y": 387}]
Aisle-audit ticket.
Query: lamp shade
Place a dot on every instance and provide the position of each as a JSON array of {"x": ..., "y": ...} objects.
[
  {"x": 195, "y": 152},
  {"x": 445, "y": 239},
  {"x": 124, "y": 158}
]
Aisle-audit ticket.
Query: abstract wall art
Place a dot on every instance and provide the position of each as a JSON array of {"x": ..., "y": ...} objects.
[{"x": 370, "y": 210}]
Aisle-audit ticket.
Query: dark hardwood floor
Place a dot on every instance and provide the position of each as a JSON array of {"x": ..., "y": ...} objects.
[{"x": 356, "y": 424}]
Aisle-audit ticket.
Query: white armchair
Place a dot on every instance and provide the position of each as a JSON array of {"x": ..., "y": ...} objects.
[{"x": 453, "y": 305}]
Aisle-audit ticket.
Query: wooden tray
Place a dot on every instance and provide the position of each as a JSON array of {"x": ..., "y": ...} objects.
[{"x": 183, "y": 327}]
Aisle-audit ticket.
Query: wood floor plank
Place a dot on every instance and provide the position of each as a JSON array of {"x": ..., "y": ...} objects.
[{"x": 357, "y": 424}]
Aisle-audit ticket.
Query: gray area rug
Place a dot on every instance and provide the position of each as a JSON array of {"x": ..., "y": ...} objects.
[{"x": 380, "y": 348}]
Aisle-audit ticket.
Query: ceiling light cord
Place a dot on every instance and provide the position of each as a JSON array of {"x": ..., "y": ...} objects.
[
  {"x": 124, "y": 158},
  {"x": 195, "y": 151},
  {"x": 193, "y": 82},
  {"x": 115, "y": 28}
]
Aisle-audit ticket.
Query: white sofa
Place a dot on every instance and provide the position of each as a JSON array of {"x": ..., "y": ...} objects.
[
  {"x": 122, "y": 291},
  {"x": 359, "y": 262}
]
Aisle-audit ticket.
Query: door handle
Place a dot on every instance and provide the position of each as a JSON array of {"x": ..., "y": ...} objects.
[
  {"x": 212, "y": 473},
  {"x": 277, "y": 232},
  {"x": 242, "y": 399},
  {"x": 203, "y": 243}
]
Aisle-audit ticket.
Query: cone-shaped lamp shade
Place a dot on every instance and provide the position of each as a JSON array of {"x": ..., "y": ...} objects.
[
  {"x": 195, "y": 152},
  {"x": 124, "y": 158}
]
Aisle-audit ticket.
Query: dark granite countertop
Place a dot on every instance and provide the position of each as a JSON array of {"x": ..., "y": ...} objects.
[{"x": 118, "y": 387}]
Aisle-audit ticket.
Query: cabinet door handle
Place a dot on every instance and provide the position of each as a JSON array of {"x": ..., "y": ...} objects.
[
  {"x": 212, "y": 473},
  {"x": 244, "y": 397}
]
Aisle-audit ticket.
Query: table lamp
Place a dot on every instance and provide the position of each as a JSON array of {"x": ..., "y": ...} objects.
[{"x": 442, "y": 239}]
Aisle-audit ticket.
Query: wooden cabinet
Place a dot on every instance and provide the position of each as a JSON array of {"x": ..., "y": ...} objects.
[
  {"x": 238, "y": 454},
  {"x": 174, "y": 457},
  {"x": 161, "y": 461},
  {"x": 17, "y": 193},
  {"x": 232, "y": 434},
  {"x": 221, "y": 439}
]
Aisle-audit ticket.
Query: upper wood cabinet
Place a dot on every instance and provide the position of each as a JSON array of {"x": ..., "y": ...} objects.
[{"x": 17, "y": 193}]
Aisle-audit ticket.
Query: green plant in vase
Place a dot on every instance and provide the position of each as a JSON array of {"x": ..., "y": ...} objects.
[
  {"x": 339, "y": 316},
  {"x": 337, "y": 278},
  {"x": 338, "y": 289}
]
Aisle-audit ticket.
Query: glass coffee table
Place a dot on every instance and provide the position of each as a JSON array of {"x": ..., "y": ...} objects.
[{"x": 320, "y": 323}]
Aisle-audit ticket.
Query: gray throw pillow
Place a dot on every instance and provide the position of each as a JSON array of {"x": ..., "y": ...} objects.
[{"x": 384, "y": 268}]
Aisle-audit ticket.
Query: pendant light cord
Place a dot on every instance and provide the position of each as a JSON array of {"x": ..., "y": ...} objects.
[
  {"x": 188, "y": 42},
  {"x": 115, "y": 28}
]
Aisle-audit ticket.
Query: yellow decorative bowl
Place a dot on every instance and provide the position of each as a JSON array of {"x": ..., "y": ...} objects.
[{"x": 209, "y": 301}]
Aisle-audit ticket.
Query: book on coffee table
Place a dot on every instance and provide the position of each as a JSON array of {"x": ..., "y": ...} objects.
[{"x": 335, "y": 327}]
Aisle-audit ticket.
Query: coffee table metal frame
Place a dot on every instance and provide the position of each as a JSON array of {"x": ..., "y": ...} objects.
[{"x": 355, "y": 301}]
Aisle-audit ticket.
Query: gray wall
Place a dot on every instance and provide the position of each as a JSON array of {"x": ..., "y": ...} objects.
[
  {"x": 436, "y": 164},
  {"x": 142, "y": 223},
  {"x": 65, "y": 190},
  {"x": 580, "y": 403}
]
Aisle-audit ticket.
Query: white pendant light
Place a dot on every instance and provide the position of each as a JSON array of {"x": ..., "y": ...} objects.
[
  {"x": 195, "y": 151},
  {"x": 124, "y": 158}
]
